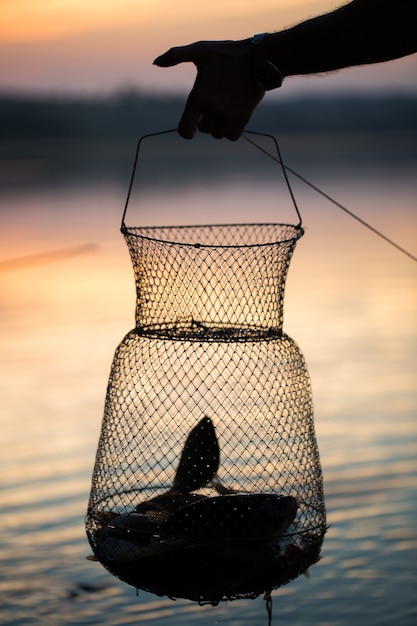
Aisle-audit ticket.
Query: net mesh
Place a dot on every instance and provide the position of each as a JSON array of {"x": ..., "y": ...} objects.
[{"x": 207, "y": 483}]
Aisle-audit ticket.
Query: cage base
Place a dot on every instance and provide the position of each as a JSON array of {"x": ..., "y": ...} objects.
[{"x": 206, "y": 570}]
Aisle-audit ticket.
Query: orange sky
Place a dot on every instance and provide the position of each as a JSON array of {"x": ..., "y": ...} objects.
[
  {"x": 34, "y": 20},
  {"x": 81, "y": 45}
]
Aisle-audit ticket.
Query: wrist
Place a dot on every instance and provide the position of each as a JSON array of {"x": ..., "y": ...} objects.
[
  {"x": 274, "y": 49},
  {"x": 266, "y": 74}
]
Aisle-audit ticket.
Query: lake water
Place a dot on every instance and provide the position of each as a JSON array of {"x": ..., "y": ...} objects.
[{"x": 351, "y": 305}]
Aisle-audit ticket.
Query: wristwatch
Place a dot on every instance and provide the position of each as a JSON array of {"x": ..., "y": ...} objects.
[{"x": 267, "y": 76}]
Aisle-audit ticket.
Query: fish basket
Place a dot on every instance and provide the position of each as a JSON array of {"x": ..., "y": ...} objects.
[{"x": 207, "y": 483}]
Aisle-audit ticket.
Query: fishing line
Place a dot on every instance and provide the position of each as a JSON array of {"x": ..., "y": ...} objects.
[{"x": 325, "y": 195}]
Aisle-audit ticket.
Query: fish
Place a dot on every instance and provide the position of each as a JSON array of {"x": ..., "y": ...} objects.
[
  {"x": 198, "y": 464},
  {"x": 180, "y": 512},
  {"x": 250, "y": 517}
]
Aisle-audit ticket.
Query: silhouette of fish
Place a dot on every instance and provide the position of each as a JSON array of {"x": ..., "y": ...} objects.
[
  {"x": 198, "y": 464},
  {"x": 234, "y": 516},
  {"x": 256, "y": 517},
  {"x": 184, "y": 543},
  {"x": 231, "y": 516},
  {"x": 200, "y": 458}
]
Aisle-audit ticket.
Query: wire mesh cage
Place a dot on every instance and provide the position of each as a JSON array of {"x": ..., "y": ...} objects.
[{"x": 207, "y": 483}]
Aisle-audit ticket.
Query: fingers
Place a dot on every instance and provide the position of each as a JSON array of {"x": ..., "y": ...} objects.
[
  {"x": 235, "y": 132},
  {"x": 212, "y": 119},
  {"x": 188, "y": 123},
  {"x": 174, "y": 56},
  {"x": 217, "y": 125},
  {"x": 224, "y": 94},
  {"x": 217, "y": 118}
]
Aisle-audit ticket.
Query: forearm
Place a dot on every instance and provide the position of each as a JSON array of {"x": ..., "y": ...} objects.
[
  {"x": 361, "y": 32},
  {"x": 232, "y": 77}
]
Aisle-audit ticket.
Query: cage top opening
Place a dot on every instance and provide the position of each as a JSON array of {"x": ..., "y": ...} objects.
[{"x": 219, "y": 235}]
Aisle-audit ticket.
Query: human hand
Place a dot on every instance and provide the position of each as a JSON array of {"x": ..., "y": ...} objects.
[{"x": 224, "y": 94}]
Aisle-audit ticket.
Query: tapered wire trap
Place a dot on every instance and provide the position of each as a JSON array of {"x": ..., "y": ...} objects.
[{"x": 207, "y": 483}]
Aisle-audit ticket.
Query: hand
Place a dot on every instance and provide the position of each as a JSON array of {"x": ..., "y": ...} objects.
[{"x": 224, "y": 95}]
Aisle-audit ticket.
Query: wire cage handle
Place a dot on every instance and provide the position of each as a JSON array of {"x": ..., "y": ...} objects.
[{"x": 123, "y": 227}]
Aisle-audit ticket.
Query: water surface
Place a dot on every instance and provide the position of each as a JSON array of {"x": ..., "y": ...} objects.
[{"x": 351, "y": 305}]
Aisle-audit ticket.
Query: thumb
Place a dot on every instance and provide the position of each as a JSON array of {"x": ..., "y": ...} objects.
[{"x": 174, "y": 56}]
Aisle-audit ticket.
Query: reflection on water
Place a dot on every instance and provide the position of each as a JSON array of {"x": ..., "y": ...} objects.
[{"x": 351, "y": 306}]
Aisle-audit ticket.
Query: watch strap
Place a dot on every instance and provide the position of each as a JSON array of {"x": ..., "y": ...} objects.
[{"x": 266, "y": 74}]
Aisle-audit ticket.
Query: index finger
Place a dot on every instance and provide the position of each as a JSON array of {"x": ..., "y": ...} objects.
[
  {"x": 188, "y": 123},
  {"x": 179, "y": 54}
]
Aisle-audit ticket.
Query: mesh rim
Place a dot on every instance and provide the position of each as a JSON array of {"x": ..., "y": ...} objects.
[{"x": 140, "y": 232}]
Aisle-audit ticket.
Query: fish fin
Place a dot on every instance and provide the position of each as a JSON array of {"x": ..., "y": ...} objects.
[{"x": 199, "y": 459}]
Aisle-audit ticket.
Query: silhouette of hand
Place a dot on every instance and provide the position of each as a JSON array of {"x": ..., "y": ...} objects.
[{"x": 224, "y": 94}]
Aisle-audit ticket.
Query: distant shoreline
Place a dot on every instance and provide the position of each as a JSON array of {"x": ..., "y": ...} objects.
[
  {"x": 127, "y": 113},
  {"x": 48, "y": 140}
]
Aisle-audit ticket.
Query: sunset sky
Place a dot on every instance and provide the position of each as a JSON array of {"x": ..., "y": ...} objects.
[{"x": 98, "y": 47}]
